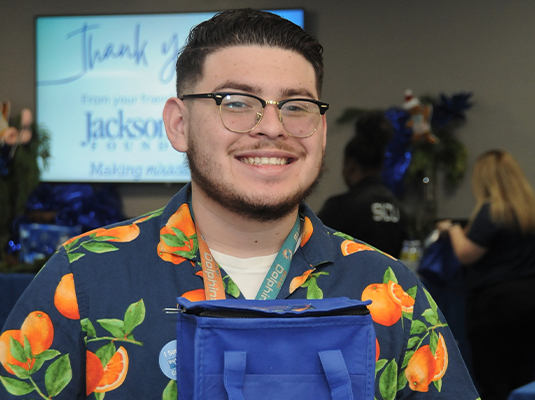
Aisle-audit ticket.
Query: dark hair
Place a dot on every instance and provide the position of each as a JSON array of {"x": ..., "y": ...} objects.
[
  {"x": 243, "y": 27},
  {"x": 373, "y": 132}
]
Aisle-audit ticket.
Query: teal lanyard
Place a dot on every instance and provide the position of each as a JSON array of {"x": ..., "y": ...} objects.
[
  {"x": 276, "y": 275},
  {"x": 278, "y": 272}
]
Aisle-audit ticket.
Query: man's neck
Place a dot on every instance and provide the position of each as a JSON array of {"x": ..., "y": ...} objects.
[{"x": 232, "y": 234}]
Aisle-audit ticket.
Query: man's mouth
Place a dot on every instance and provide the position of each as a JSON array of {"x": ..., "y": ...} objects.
[{"x": 264, "y": 160}]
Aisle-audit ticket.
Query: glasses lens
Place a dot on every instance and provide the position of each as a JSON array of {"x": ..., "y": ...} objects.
[
  {"x": 300, "y": 118},
  {"x": 240, "y": 113}
]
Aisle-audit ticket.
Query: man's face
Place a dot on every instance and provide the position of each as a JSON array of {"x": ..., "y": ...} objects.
[{"x": 264, "y": 174}]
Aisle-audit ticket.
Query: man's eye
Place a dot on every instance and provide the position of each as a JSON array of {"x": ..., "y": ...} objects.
[
  {"x": 236, "y": 104},
  {"x": 298, "y": 107},
  {"x": 294, "y": 108},
  {"x": 239, "y": 105}
]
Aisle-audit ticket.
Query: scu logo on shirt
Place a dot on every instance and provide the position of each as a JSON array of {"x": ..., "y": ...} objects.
[{"x": 385, "y": 212}]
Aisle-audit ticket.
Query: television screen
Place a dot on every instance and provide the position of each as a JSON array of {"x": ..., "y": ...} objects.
[{"x": 102, "y": 82}]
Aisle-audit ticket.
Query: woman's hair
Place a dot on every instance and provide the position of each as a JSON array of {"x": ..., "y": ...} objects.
[{"x": 498, "y": 178}]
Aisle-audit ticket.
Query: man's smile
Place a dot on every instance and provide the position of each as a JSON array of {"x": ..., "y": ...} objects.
[{"x": 264, "y": 160}]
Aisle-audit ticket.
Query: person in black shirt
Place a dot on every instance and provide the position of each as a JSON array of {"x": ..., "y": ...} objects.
[
  {"x": 498, "y": 249},
  {"x": 369, "y": 211}
]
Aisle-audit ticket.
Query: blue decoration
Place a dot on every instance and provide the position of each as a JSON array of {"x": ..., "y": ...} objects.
[
  {"x": 78, "y": 204},
  {"x": 450, "y": 109},
  {"x": 399, "y": 151},
  {"x": 39, "y": 241},
  {"x": 398, "y": 154},
  {"x": 78, "y": 208}
]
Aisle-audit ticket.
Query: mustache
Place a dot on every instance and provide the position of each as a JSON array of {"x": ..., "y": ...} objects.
[{"x": 267, "y": 144}]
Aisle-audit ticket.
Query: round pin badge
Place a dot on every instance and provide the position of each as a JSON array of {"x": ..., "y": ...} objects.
[{"x": 168, "y": 359}]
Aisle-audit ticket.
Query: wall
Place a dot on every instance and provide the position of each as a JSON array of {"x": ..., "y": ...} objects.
[{"x": 374, "y": 50}]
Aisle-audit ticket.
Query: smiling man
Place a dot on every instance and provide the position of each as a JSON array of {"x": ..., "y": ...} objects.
[
  {"x": 249, "y": 117},
  {"x": 249, "y": 158}
]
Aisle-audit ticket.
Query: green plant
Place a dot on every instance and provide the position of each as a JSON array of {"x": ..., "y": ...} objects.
[{"x": 19, "y": 179}]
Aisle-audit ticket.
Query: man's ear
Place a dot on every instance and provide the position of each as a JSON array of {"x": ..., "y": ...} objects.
[{"x": 175, "y": 117}]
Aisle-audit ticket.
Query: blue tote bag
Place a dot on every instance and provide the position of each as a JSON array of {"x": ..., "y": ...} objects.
[
  {"x": 275, "y": 349},
  {"x": 439, "y": 264}
]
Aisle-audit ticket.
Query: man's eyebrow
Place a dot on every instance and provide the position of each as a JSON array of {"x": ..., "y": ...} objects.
[
  {"x": 238, "y": 86},
  {"x": 244, "y": 87},
  {"x": 292, "y": 92}
]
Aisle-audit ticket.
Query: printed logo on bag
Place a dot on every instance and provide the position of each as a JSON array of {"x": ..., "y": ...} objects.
[{"x": 285, "y": 308}]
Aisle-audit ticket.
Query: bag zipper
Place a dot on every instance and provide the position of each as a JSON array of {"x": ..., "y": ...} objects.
[{"x": 235, "y": 313}]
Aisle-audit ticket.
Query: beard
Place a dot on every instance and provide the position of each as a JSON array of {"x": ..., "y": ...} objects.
[{"x": 252, "y": 207}]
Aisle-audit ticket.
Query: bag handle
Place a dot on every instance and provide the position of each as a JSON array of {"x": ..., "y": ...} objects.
[
  {"x": 337, "y": 375},
  {"x": 234, "y": 374},
  {"x": 332, "y": 361}
]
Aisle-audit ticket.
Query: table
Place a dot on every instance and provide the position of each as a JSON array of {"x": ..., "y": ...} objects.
[
  {"x": 526, "y": 392},
  {"x": 12, "y": 285}
]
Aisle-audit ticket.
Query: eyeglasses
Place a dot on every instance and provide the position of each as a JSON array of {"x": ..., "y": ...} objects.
[{"x": 241, "y": 112}]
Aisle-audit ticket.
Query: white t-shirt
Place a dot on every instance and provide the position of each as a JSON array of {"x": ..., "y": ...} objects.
[{"x": 247, "y": 273}]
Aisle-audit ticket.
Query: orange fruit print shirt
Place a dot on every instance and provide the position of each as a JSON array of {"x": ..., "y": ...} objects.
[{"x": 92, "y": 323}]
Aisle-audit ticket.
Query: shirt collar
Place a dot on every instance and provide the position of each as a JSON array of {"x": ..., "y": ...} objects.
[{"x": 316, "y": 247}]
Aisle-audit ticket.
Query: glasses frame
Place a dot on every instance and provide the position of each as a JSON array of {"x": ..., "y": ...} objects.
[{"x": 219, "y": 96}]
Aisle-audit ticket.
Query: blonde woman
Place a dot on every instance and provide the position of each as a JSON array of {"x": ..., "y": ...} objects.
[{"x": 498, "y": 249}]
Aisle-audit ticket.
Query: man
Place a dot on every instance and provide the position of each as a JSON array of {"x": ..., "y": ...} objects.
[
  {"x": 94, "y": 317},
  {"x": 369, "y": 211}
]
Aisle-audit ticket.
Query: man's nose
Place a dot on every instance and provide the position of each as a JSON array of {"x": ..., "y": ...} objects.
[{"x": 271, "y": 124}]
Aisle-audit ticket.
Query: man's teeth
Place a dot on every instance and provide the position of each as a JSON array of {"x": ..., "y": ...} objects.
[{"x": 264, "y": 160}]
